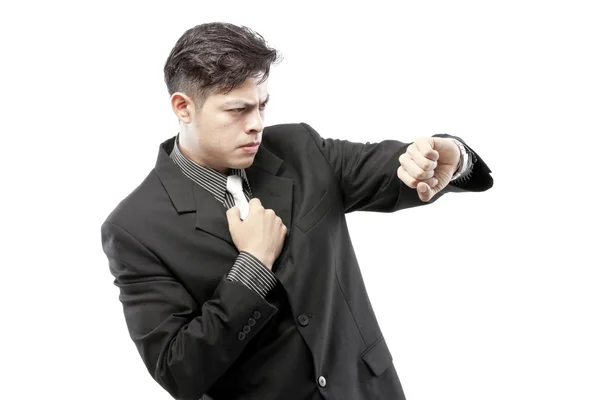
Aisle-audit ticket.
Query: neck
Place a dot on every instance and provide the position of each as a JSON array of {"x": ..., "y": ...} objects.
[{"x": 187, "y": 148}]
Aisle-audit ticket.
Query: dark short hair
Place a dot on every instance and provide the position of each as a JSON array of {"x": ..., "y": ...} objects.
[{"x": 217, "y": 57}]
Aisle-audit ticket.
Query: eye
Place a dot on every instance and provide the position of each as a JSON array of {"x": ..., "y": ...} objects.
[
  {"x": 262, "y": 106},
  {"x": 237, "y": 110}
]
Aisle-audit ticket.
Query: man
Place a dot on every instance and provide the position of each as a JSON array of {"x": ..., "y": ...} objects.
[{"x": 230, "y": 299}]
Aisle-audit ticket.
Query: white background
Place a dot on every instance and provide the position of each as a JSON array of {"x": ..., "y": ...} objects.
[{"x": 489, "y": 295}]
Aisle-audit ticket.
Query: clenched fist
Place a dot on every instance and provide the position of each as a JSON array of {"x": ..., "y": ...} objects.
[
  {"x": 261, "y": 233},
  {"x": 428, "y": 165}
]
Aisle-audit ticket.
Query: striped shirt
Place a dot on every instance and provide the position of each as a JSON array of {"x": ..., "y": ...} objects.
[{"x": 246, "y": 269}]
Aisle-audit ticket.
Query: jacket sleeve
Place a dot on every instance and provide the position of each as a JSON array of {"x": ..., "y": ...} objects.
[
  {"x": 367, "y": 174},
  {"x": 185, "y": 346}
]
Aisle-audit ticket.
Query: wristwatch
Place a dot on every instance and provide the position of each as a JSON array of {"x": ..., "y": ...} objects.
[{"x": 463, "y": 163}]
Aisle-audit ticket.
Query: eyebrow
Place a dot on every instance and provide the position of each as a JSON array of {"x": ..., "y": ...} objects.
[{"x": 242, "y": 103}]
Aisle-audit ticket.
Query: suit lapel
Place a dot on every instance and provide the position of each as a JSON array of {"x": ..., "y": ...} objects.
[
  {"x": 273, "y": 191},
  {"x": 210, "y": 214}
]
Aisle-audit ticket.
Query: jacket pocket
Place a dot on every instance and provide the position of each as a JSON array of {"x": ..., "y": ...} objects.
[
  {"x": 378, "y": 357},
  {"x": 310, "y": 219}
]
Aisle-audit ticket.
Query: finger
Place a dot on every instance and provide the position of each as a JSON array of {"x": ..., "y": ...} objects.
[
  {"x": 425, "y": 147},
  {"x": 415, "y": 171},
  {"x": 428, "y": 189},
  {"x": 233, "y": 215},
  {"x": 432, "y": 183},
  {"x": 407, "y": 178},
  {"x": 412, "y": 182},
  {"x": 423, "y": 162},
  {"x": 254, "y": 203},
  {"x": 425, "y": 191}
]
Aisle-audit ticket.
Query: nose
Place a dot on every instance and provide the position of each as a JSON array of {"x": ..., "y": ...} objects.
[{"x": 255, "y": 122}]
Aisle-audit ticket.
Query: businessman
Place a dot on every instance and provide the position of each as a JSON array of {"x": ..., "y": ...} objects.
[{"x": 235, "y": 268}]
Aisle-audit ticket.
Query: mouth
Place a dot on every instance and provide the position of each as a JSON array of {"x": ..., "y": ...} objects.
[
  {"x": 251, "y": 145},
  {"x": 251, "y": 148}
]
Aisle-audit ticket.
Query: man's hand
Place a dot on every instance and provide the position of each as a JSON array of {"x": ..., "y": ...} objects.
[
  {"x": 261, "y": 233},
  {"x": 428, "y": 165}
]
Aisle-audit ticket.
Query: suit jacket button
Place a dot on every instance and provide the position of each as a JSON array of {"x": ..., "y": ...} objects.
[
  {"x": 256, "y": 314},
  {"x": 246, "y": 329},
  {"x": 251, "y": 321},
  {"x": 241, "y": 335},
  {"x": 303, "y": 320},
  {"x": 322, "y": 381}
]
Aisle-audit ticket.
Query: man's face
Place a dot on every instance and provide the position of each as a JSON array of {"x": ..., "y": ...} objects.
[{"x": 226, "y": 122}]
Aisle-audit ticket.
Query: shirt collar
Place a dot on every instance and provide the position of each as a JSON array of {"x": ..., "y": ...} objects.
[{"x": 208, "y": 178}]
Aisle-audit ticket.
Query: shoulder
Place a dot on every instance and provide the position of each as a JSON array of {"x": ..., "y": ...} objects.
[
  {"x": 136, "y": 202},
  {"x": 285, "y": 130},
  {"x": 289, "y": 134}
]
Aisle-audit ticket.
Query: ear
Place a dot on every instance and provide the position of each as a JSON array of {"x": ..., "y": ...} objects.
[{"x": 183, "y": 107}]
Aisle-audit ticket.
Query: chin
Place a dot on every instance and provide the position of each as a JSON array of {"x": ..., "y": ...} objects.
[{"x": 243, "y": 164}]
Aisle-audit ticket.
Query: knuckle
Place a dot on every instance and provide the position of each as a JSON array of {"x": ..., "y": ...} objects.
[
  {"x": 425, "y": 174},
  {"x": 401, "y": 172},
  {"x": 410, "y": 182}
]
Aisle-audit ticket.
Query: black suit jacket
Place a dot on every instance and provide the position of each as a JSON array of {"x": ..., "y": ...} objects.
[{"x": 169, "y": 249}]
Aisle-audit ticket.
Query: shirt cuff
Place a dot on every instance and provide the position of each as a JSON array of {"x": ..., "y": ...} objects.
[{"x": 248, "y": 270}]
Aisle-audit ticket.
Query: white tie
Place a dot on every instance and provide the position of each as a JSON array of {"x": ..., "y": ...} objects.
[{"x": 234, "y": 186}]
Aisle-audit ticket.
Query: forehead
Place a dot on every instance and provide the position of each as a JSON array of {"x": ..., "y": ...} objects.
[{"x": 252, "y": 90}]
